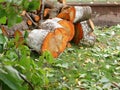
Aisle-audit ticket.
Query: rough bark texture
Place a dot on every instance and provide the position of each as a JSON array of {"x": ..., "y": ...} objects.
[
  {"x": 49, "y": 24},
  {"x": 35, "y": 39},
  {"x": 88, "y": 36}
]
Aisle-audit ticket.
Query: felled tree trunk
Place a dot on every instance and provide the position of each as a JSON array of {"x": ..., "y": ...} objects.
[
  {"x": 55, "y": 42},
  {"x": 9, "y": 32},
  {"x": 84, "y": 34},
  {"x": 35, "y": 39},
  {"x": 76, "y": 13},
  {"x": 52, "y": 37},
  {"x": 44, "y": 40}
]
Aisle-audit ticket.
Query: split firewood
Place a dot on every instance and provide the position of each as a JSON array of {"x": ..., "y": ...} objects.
[
  {"x": 29, "y": 22},
  {"x": 44, "y": 40},
  {"x": 35, "y": 17},
  {"x": 76, "y": 13},
  {"x": 53, "y": 8},
  {"x": 46, "y": 13},
  {"x": 84, "y": 34},
  {"x": 30, "y": 18}
]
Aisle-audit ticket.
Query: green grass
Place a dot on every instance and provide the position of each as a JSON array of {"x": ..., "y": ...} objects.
[
  {"x": 77, "y": 68},
  {"x": 97, "y": 67}
]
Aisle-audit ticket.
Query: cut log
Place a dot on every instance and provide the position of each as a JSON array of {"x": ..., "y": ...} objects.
[
  {"x": 35, "y": 17},
  {"x": 35, "y": 39},
  {"x": 76, "y": 13},
  {"x": 84, "y": 34},
  {"x": 46, "y": 13},
  {"x": 44, "y": 40},
  {"x": 68, "y": 26},
  {"x": 29, "y": 22},
  {"x": 78, "y": 33},
  {"x": 55, "y": 42}
]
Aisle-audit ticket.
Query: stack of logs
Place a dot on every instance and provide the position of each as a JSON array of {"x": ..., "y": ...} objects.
[{"x": 61, "y": 25}]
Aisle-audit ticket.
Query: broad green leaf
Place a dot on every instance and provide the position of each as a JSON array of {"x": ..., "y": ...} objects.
[
  {"x": 4, "y": 86},
  {"x": 19, "y": 19},
  {"x": 34, "y": 5},
  {"x": 3, "y": 20},
  {"x": 12, "y": 55},
  {"x": 2, "y": 39},
  {"x": 1, "y": 48},
  {"x": 64, "y": 65},
  {"x": 10, "y": 76},
  {"x": 26, "y": 34}
]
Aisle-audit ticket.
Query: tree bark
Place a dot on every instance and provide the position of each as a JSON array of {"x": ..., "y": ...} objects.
[{"x": 76, "y": 14}]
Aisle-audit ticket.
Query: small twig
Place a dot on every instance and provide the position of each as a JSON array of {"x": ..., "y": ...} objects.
[
  {"x": 42, "y": 11},
  {"x": 28, "y": 16},
  {"x": 31, "y": 86}
]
